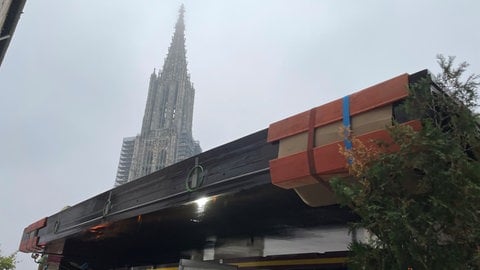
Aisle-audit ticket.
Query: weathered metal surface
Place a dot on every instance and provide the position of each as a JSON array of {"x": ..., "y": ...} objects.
[
  {"x": 154, "y": 219},
  {"x": 238, "y": 165}
]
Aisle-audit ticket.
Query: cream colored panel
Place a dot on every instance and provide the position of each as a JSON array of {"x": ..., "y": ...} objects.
[
  {"x": 363, "y": 123},
  {"x": 316, "y": 195},
  {"x": 372, "y": 120},
  {"x": 4, "y": 6},
  {"x": 328, "y": 134},
  {"x": 292, "y": 145}
]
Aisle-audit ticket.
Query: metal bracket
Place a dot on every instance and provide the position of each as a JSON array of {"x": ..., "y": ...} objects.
[{"x": 195, "y": 177}]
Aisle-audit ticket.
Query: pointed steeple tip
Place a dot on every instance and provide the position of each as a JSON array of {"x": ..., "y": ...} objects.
[
  {"x": 180, "y": 26},
  {"x": 181, "y": 11}
]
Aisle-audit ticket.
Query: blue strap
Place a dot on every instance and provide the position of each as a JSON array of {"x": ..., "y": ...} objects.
[{"x": 346, "y": 122}]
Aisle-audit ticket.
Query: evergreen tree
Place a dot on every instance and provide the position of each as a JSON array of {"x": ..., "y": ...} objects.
[
  {"x": 7, "y": 262},
  {"x": 419, "y": 195}
]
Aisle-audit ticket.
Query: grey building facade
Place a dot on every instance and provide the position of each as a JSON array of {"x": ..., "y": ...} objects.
[
  {"x": 166, "y": 135},
  {"x": 10, "y": 12}
]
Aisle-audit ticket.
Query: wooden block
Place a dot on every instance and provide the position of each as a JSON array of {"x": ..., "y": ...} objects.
[
  {"x": 292, "y": 145},
  {"x": 372, "y": 120},
  {"x": 316, "y": 195},
  {"x": 328, "y": 134}
]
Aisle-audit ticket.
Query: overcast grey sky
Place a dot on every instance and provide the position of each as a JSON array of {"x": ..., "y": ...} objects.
[{"x": 74, "y": 80}]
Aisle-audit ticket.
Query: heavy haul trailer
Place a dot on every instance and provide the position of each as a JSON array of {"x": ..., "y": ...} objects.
[{"x": 258, "y": 185}]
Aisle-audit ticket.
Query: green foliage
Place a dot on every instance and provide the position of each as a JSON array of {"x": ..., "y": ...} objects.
[
  {"x": 421, "y": 202},
  {"x": 7, "y": 262}
]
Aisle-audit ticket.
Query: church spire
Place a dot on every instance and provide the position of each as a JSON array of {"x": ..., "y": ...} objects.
[
  {"x": 180, "y": 25},
  {"x": 181, "y": 13},
  {"x": 176, "y": 62},
  {"x": 166, "y": 135}
]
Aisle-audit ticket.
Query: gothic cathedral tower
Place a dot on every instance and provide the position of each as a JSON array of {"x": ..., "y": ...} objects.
[{"x": 166, "y": 135}]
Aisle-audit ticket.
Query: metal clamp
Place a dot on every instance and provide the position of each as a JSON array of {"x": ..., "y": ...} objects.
[
  {"x": 108, "y": 205},
  {"x": 195, "y": 177}
]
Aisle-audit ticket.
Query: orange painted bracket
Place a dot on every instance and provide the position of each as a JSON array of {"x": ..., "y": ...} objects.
[
  {"x": 35, "y": 226},
  {"x": 30, "y": 239},
  {"x": 375, "y": 96},
  {"x": 310, "y": 165},
  {"x": 293, "y": 171}
]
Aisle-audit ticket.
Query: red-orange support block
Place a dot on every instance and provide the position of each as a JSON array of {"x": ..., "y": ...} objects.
[
  {"x": 294, "y": 170},
  {"x": 30, "y": 239}
]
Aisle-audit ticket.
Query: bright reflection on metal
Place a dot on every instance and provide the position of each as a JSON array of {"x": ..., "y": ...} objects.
[{"x": 201, "y": 204}]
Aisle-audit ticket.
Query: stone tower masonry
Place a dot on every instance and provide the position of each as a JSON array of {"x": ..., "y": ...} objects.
[{"x": 166, "y": 135}]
